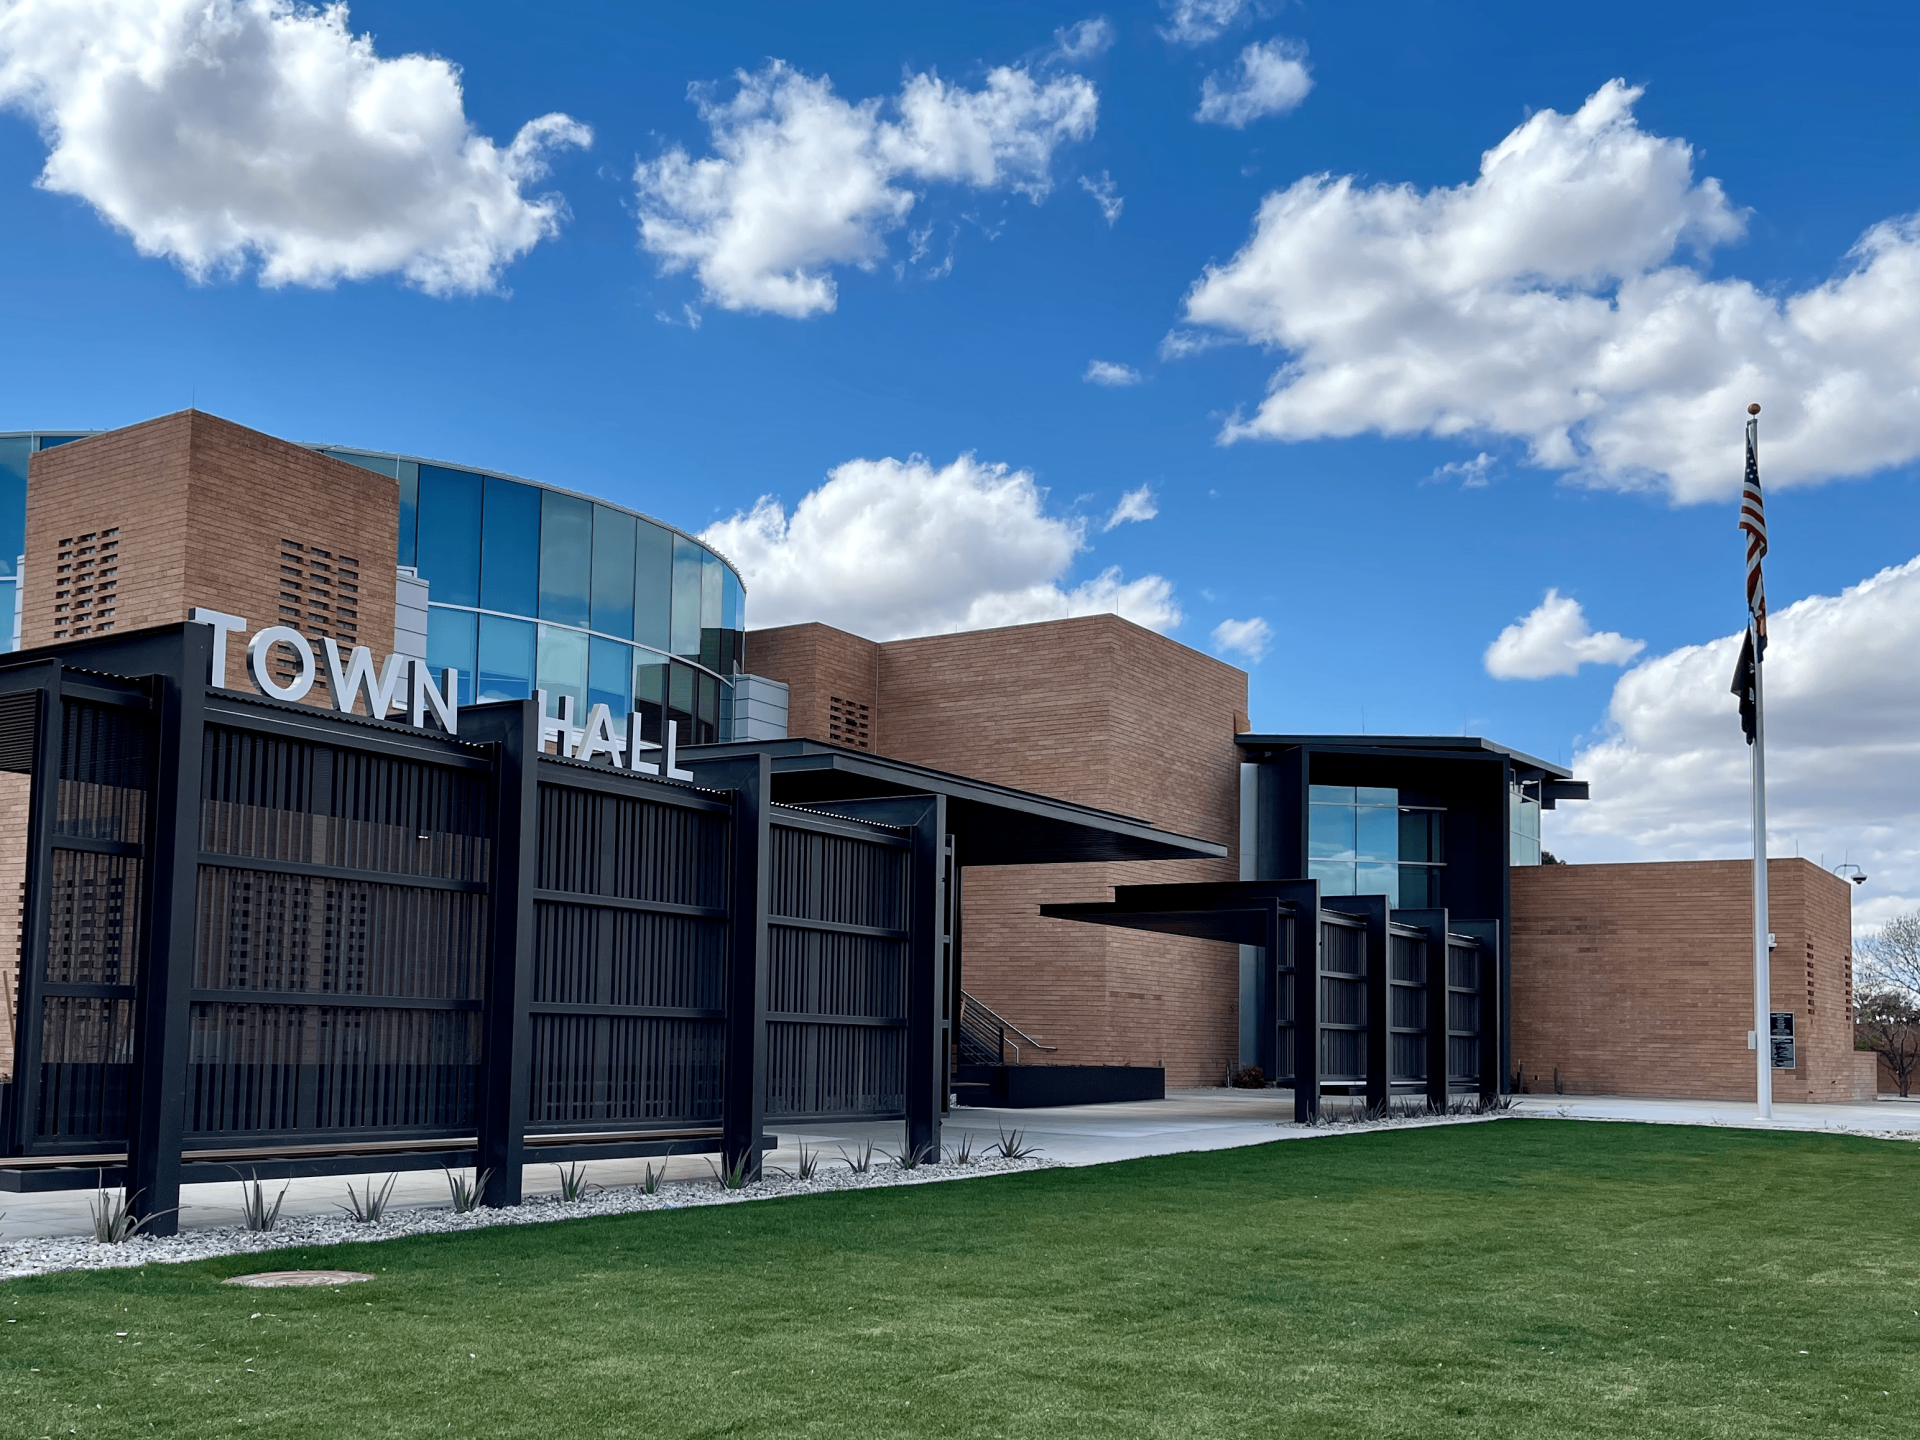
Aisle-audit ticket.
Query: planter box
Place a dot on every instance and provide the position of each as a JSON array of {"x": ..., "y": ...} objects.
[{"x": 1032, "y": 1087}]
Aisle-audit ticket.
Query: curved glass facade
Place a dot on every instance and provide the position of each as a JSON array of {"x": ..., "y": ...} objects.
[
  {"x": 16, "y": 449},
  {"x": 536, "y": 588}
]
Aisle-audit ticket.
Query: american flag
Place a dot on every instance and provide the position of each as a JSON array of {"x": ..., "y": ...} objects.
[{"x": 1753, "y": 521}]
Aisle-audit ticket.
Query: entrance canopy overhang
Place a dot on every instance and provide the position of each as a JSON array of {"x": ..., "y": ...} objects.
[{"x": 991, "y": 824}]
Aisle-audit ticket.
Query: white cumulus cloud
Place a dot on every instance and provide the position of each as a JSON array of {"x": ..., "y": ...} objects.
[
  {"x": 1195, "y": 22},
  {"x": 1243, "y": 637},
  {"x": 1554, "y": 639},
  {"x": 1272, "y": 80},
  {"x": 1544, "y": 300},
  {"x": 801, "y": 180},
  {"x": 887, "y": 548},
  {"x": 1670, "y": 774},
  {"x": 1135, "y": 504},
  {"x": 223, "y": 133},
  {"x": 1110, "y": 372}
]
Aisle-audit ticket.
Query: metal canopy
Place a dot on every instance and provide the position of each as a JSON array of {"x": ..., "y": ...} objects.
[
  {"x": 991, "y": 824},
  {"x": 1235, "y": 912},
  {"x": 1450, "y": 747}
]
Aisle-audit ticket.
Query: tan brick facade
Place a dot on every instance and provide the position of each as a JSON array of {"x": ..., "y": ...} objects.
[
  {"x": 134, "y": 527},
  {"x": 1094, "y": 710},
  {"x": 1637, "y": 979},
  {"x": 16, "y": 791}
]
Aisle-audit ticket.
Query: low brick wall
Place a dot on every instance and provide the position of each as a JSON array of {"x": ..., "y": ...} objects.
[{"x": 1637, "y": 979}]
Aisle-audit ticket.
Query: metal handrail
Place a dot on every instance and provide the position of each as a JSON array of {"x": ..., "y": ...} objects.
[{"x": 1006, "y": 1025}]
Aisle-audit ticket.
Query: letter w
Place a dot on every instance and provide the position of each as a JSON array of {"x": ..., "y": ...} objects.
[{"x": 382, "y": 693}]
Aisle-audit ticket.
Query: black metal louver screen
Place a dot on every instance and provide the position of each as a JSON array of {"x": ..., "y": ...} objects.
[
  {"x": 93, "y": 891},
  {"x": 1343, "y": 1003},
  {"x": 1407, "y": 1008},
  {"x": 839, "y": 951},
  {"x": 1463, "y": 1012},
  {"x": 630, "y": 953},
  {"x": 341, "y": 933}
]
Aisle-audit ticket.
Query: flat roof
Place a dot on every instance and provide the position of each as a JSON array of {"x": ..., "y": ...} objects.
[
  {"x": 991, "y": 824},
  {"x": 1452, "y": 745}
]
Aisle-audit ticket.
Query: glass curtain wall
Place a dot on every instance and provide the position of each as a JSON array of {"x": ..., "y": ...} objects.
[
  {"x": 1362, "y": 841},
  {"x": 1524, "y": 821},
  {"x": 532, "y": 588}
]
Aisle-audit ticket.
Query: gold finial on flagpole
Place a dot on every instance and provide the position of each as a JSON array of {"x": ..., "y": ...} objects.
[{"x": 1754, "y": 409}]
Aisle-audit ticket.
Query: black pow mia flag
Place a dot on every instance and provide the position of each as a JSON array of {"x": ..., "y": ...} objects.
[{"x": 1744, "y": 681}]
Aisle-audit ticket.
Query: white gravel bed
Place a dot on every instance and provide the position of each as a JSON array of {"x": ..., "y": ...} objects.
[{"x": 44, "y": 1256}]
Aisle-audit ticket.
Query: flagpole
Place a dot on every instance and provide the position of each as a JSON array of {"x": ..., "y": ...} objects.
[
  {"x": 1762, "y": 958},
  {"x": 1762, "y": 950}
]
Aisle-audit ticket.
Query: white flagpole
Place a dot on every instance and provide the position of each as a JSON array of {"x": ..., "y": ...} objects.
[
  {"x": 1762, "y": 950},
  {"x": 1762, "y": 959}
]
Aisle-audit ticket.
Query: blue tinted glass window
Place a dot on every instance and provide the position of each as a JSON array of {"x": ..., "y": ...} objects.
[
  {"x": 706, "y": 713},
  {"x": 409, "y": 511},
  {"x": 1335, "y": 876},
  {"x": 450, "y": 646},
  {"x": 1373, "y": 795},
  {"x": 649, "y": 692},
  {"x": 563, "y": 669},
  {"x": 733, "y": 621},
  {"x": 14, "y": 451},
  {"x": 688, "y": 562},
  {"x": 711, "y": 597},
  {"x": 510, "y": 549},
  {"x": 449, "y": 546},
  {"x": 680, "y": 701},
  {"x": 1336, "y": 794},
  {"x": 506, "y": 658},
  {"x": 566, "y": 557},
  {"x": 1377, "y": 880},
  {"x": 47, "y": 442},
  {"x": 1330, "y": 832},
  {"x": 8, "y": 594},
  {"x": 610, "y": 678},
  {"x": 652, "y": 585},
  {"x": 1376, "y": 834},
  {"x": 613, "y": 540}
]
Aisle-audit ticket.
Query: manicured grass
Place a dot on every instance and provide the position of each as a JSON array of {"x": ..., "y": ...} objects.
[{"x": 1529, "y": 1277}]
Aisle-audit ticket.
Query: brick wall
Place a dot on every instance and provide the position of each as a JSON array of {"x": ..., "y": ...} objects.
[
  {"x": 841, "y": 674},
  {"x": 1637, "y": 979},
  {"x": 212, "y": 513},
  {"x": 1098, "y": 711}
]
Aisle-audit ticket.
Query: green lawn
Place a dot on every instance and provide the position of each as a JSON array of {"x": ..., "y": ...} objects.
[{"x": 1535, "y": 1277}]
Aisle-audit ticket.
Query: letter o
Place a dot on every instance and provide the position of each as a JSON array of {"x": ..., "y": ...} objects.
[{"x": 261, "y": 647}]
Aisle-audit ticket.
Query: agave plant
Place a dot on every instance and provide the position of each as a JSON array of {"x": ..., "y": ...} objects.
[
  {"x": 650, "y": 1179},
  {"x": 1014, "y": 1146},
  {"x": 254, "y": 1209},
  {"x": 113, "y": 1217},
  {"x": 808, "y": 1165},
  {"x": 573, "y": 1182},
  {"x": 733, "y": 1174},
  {"x": 961, "y": 1154},
  {"x": 466, "y": 1191},
  {"x": 860, "y": 1162},
  {"x": 367, "y": 1208},
  {"x": 912, "y": 1157}
]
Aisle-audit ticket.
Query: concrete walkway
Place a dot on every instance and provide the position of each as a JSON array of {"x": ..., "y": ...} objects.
[{"x": 1187, "y": 1120}]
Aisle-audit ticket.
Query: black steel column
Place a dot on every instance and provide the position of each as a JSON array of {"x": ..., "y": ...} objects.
[
  {"x": 1306, "y": 1010},
  {"x": 743, "y": 1115},
  {"x": 513, "y": 729},
  {"x": 156, "y": 1122},
  {"x": 1266, "y": 993}
]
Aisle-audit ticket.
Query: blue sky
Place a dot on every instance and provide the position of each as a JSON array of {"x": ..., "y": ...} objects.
[{"x": 1382, "y": 577}]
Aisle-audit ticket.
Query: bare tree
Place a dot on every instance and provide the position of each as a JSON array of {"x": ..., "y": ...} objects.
[{"x": 1887, "y": 997}]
